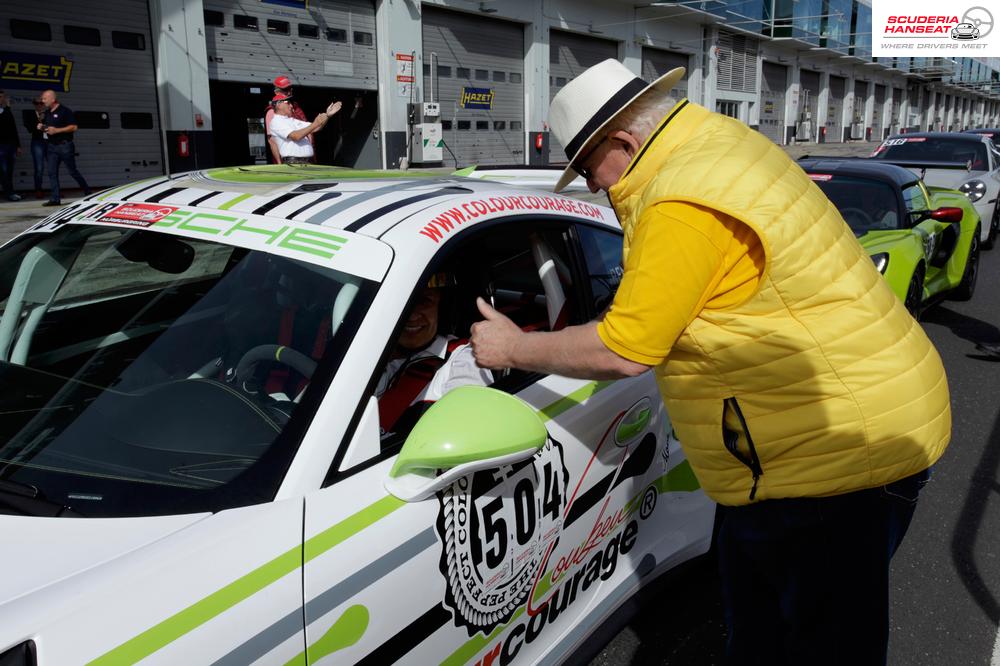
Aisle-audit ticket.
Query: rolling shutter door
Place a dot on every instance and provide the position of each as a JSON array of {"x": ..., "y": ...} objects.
[
  {"x": 835, "y": 110},
  {"x": 878, "y": 113},
  {"x": 772, "y": 98},
  {"x": 255, "y": 44},
  {"x": 809, "y": 104},
  {"x": 111, "y": 88},
  {"x": 657, "y": 62},
  {"x": 569, "y": 55},
  {"x": 481, "y": 53},
  {"x": 897, "y": 102}
]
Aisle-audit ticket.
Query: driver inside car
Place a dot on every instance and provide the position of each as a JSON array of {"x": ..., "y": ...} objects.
[{"x": 427, "y": 360}]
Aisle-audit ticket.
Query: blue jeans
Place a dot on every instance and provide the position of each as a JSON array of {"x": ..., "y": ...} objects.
[
  {"x": 39, "y": 151},
  {"x": 8, "y": 152},
  {"x": 63, "y": 152},
  {"x": 806, "y": 581}
]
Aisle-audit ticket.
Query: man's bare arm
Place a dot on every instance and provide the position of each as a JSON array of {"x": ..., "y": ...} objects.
[{"x": 575, "y": 351}]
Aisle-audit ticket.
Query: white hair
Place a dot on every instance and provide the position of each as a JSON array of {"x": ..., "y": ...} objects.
[{"x": 642, "y": 116}]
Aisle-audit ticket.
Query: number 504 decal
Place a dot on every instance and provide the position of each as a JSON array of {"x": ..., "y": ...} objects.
[{"x": 495, "y": 527}]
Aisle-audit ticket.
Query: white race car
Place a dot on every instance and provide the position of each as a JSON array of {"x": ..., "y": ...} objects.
[
  {"x": 969, "y": 163},
  {"x": 192, "y": 468}
]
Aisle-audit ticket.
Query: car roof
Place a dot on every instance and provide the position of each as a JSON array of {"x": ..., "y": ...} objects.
[
  {"x": 860, "y": 168},
  {"x": 954, "y": 136},
  {"x": 363, "y": 202}
]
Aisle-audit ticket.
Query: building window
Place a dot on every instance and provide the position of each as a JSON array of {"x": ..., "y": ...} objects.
[
  {"x": 309, "y": 31},
  {"x": 36, "y": 30},
  {"x": 515, "y": 77},
  {"x": 463, "y": 73},
  {"x": 482, "y": 75},
  {"x": 74, "y": 34},
  {"x": 363, "y": 38},
  {"x": 336, "y": 35},
  {"x": 244, "y": 22},
  {"x": 560, "y": 81},
  {"x": 499, "y": 77},
  {"x": 277, "y": 27},
  {"x": 444, "y": 71},
  {"x": 133, "y": 41},
  {"x": 446, "y": 125},
  {"x": 132, "y": 120},
  {"x": 215, "y": 18},
  {"x": 92, "y": 119},
  {"x": 515, "y": 125},
  {"x": 499, "y": 125},
  {"x": 464, "y": 124},
  {"x": 482, "y": 124}
]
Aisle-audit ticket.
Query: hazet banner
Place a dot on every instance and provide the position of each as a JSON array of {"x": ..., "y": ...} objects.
[
  {"x": 34, "y": 71},
  {"x": 477, "y": 98}
]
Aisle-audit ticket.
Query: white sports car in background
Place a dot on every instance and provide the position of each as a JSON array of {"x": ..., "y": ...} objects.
[
  {"x": 191, "y": 463},
  {"x": 969, "y": 163}
]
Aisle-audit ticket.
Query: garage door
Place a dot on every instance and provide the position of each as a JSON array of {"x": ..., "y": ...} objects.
[
  {"x": 835, "y": 110},
  {"x": 858, "y": 114},
  {"x": 329, "y": 44},
  {"x": 480, "y": 64},
  {"x": 878, "y": 112},
  {"x": 896, "y": 120},
  {"x": 569, "y": 55},
  {"x": 772, "y": 100},
  {"x": 657, "y": 62},
  {"x": 809, "y": 102},
  {"x": 100, "y": 63}
]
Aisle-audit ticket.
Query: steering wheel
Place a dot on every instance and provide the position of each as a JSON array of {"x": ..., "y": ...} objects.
[
  {"x": 296, "y": 360},
  {"x": 855, "y": 217}
]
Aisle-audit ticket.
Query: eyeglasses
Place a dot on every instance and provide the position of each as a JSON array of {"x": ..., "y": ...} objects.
[{"x": 577, "y": 165}]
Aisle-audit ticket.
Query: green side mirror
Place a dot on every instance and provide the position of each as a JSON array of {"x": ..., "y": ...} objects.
[{"x": 471, "y": 428}]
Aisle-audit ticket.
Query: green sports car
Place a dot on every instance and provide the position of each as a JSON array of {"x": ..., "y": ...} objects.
[{"x": 924, "y": 240}]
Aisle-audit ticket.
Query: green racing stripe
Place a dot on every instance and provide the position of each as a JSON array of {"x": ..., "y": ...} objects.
[{"x": 190, "y": 618}]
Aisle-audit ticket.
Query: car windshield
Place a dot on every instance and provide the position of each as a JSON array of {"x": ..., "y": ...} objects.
[
  {"x": 866, "y": 205},
  {"x": 931, "y": 149},
  {"x": 147, "y": 374}
]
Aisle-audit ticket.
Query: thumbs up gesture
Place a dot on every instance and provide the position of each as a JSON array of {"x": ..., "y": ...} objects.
[{"x": 494, "y": 339}]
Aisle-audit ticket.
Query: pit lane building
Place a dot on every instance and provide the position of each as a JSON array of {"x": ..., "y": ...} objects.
[{"x": 170, "y": 85}]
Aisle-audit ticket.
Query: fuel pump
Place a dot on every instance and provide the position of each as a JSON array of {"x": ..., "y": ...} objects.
[{"x": 426, "y": 137}]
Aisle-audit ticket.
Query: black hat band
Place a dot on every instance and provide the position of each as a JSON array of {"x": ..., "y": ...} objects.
[{"x": 603, "y": 114}]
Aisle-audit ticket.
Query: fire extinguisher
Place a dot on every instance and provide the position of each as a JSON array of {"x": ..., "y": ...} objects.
[
  {"x": 538, "y": 141},
  {"x": 183, "y": 145}
]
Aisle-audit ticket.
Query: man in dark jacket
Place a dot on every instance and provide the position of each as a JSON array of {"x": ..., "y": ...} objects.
[{"x": 10, "y": 148}]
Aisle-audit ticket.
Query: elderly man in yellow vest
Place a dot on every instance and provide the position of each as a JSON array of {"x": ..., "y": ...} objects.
[{"x": 808, "y": 401}]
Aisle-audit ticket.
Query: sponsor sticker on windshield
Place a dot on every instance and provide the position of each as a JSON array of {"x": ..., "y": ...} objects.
[
  {"x": 821, "y": 176},
  {"x": 138, "y": 214}
]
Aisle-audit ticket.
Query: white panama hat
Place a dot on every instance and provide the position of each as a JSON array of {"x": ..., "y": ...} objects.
[{"x": 587, "y": 103}]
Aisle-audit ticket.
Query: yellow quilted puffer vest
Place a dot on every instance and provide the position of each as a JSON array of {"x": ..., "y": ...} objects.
[{"x": 821, "y": 383}]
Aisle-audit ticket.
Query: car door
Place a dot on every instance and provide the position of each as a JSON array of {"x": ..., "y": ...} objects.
[
  {"x": 514, "y": 563},
  {"x": 939, "y": 237}
]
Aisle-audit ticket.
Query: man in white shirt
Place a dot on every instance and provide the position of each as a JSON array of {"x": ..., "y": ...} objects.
[
  {"x": 291, "y": 134},
  {"x": 425, "y": 363}
]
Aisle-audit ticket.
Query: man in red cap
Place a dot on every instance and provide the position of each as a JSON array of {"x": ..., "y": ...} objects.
[
  {"x": 282, "y": 86},
  {"x": 293, "y": 136}
]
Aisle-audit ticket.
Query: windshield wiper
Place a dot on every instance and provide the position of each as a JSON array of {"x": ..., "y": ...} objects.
[{"x": 27, "y": 500}]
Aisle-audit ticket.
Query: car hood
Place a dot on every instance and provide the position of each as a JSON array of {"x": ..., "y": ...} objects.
[
  {"x": 882, "y": 241},
  {"x": 38, "y": 552}
]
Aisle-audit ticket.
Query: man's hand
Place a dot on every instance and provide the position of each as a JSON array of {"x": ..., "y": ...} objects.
[
  {"x": 333, "y": 108},
  {"x": 493, "y": 339}
]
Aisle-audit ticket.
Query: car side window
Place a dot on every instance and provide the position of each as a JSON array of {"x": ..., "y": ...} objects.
[
  {"x": 521, "y": 269},
  {"x": 602, "y": 254},
  {"x": 915, "y": 198}
]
